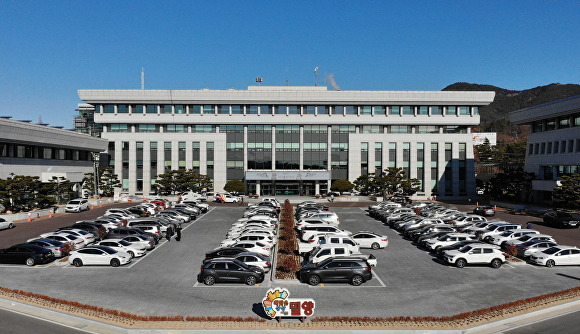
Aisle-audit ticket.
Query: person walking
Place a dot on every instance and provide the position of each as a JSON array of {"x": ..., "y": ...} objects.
[
  {"x": 178, "y": 232},
  {"x": 168, "y": 234}
]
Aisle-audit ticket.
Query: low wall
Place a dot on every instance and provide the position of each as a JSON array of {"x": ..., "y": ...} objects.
[{"x": 46, "y": 212}]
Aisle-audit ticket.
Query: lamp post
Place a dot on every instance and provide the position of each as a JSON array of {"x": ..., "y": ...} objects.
[
  {"x": 11, "y": 178},
  {"x": 95, "y": 173}
]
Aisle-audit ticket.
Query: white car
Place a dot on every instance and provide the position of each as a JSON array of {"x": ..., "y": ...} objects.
[
  {"x": 510, "y": 235},
  {"x": 134, "y": 250},
  {"x": 330, "y": 217},
  {"x": 446, "y": 240},
  {"x": 64, "y": 237},
  {"x": 256, "y": 247},
  {"x": 121, "y": 213},
  {"x": 77, "y": 205},
  {"x": 5, "y": 224},
  {"x": 140, "y": 241},
  {"x": 462, "y": 221},
  {"x": 98, "y": 255},
  {"x": 87, "y": 236},
  {"x": 557, "y": 256},
  {"x": 529, "y": 237},
  {"x": 526, "y": 249},
  {"x": 475, "y": 254},
  {"x": 252, "y": 231},
  {"x": 371, "y": 240},
  {"x": 265, "y": 239},
  {"x": 307, "y": 232},
  {"x": 301, "y": 224}
]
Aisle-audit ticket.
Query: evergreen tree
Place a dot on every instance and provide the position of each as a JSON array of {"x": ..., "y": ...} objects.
[
  {"x": 567, "y": 194},
  {"x": 235, "y": 186}
]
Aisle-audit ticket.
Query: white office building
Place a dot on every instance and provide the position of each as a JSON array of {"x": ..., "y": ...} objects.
[
  {"x": 44, "y": 151},
  {"x": 554, "y": 144},
  {"x": 290, "y": 140}
]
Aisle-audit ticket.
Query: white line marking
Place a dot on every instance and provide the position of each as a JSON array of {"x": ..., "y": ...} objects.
[{"x": 379, "y": 279}]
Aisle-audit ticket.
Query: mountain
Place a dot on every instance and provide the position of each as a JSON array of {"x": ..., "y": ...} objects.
[{"x": 494, "y": 117}]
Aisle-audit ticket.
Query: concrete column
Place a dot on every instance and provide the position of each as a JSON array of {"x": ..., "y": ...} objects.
[
  {"x": 258, "y": 190},
  {"x": 317, "y": 187}
]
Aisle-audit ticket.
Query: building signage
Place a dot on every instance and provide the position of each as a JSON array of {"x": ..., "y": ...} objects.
[
  {"x": 479, "y": 138},
  {"x": 277, "y": 304},
  {"x": 288, "y": 176}
]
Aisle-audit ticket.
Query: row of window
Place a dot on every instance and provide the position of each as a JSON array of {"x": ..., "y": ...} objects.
[
  {"x": 562, "y": 122},
  {"x": 184, "y": 128},
  {"x": 226, "y": 109},
  {"x": 42, "y": 152},
  {"x": 554, "y": 147}
]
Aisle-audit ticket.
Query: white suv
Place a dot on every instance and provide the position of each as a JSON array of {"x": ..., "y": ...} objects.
[
  {"x": 446, "y": 240},
  {"x": 475, "y": 254},
  {"x": 77, "y": 205}
]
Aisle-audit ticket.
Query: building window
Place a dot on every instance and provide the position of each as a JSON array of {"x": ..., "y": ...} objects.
[
  {"x": 281, "y": 110},
  {"x": 265, "y": 110},
  {"x": 407, "y": 110},
  {"x": 366, "y": 110},
  {"x": 237, "y": 109},
  {"x": 175, "y": 128},
  {"x": 166, "y": 109},
  {"x": 463, "y": 110},
  {"x": 451, "y": 110},
  {"x": 423, "y": 110},
  {"x": 427, "y": 129},
  {"x": 252, "y": 110},
  {"x": 195, "y": 109},
  {"x": 400, "y": 129},
  {"x": 147, "y": 128},
  {"x": 122, "y": 109},
  {"x": 224, "y": 109},
  {"x": 338, "y": 110},
  {"x": 203, "y": 128},
  {"x": 151, "y": 108},
  {"x": 322, "y": 110},
  {"x": 109, "y": 108},
  {"x": 136, "y": 108},
  {"x": 351, "y": 110},
  {"x": 372, "y": 129},
  {"x": 119, "y": 127},
  {"x": 550, "y": 125},
  {"x": 208, "y": 109},
  {"x": 436, "y": 110},
  {"x": 395, "y": 110},
  {"x": 378, "y": 110},
  {"x": 179, "y": 109},
  {"x": 309, "y": 110}
]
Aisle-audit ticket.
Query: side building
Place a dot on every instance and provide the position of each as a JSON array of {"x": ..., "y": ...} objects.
[
  {"x": 554, "y": 144},
  {"x": 44, "y": 151},
  {"x": 290, "y": 140}
]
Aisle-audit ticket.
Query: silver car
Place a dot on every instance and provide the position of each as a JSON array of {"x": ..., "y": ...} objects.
[{"x": 255, "y": 259}]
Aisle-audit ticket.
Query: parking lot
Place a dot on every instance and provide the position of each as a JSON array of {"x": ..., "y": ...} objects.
[{"x": 407, "y": 281}]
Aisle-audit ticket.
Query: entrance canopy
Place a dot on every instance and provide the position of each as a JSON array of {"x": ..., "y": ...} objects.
[{"x": 287, "y": 175}]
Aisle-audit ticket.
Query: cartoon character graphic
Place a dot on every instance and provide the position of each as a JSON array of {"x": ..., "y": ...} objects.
[{"x": 276, "y": 302}]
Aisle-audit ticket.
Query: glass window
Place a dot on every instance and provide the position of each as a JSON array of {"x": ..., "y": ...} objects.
[
  {"x": 282, "y": 110},
  {"x": 563, "y": 123},
  {"x": 338, "y": 110},
  {"x": 322, "y": 110},
  {"x": 293, "y": 110},
  {"x": 122, "y": 108},
  {"x": 475, "y": 110},
  {"x": 550, "y": 125},
  {"x": 195, "y": 109},
  {"x": 166, "y": 108},
  {"x": 136, "y": 108},
  {"x": 423, "y": 110},
  {"x": 224, "y": 109},
  {"x": 395, "y": 110},
  {"x": 407, "y": 110},
  {"x": 577, "y": 120},
  {"x": 252, "y": 110},
  {"x": 372, "y": 129},
  {"x": 109, "y": 108},
  {"x": 180, "y": 128},
  {"x": 366, "y": 110},
  {"x": 231, "y": 129},
  {"x": 151, "y": 108},
  {"x": 436, "y": 110},
  {"x": 119, "y": 128},
  {"x": 309, "y": 110},
  {"x": 203, "y": 128},
  {"x": 148, "y": 128},
  {"x": 208, "y": 109},
  {"x": 237, "y": 109},
  {"x": 378, "y": 110},
  {"x": 265, "y": 110},
  {"x": 400, "y": 129},
  {"x": 451, "y": 110},
  {"x": 351, "y": 110},
  {"x": 463, "y": 110},
  {"x": 179, "y": 109}
]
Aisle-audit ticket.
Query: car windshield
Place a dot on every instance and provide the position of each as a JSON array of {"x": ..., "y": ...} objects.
[
  {"x": 124, "y": 243},
  {"x": 506, "y": 233},
  {"x": 109, "y": 250},
  {"x": 465, "y": 249},
  {"x": 551, "y": 250},
  {"x": 74, "y": 202}
]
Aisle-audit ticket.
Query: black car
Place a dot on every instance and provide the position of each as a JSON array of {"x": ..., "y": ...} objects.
[
  {"x": 229, "y": 270},
  {"x": 26, "y": 253},
  {"x": 352, "y": 270},
  {"x": 562, "y": 219},
  {"x": 225, "y": 252}
]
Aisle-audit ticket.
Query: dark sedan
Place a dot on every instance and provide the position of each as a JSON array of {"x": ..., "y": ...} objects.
[
  {"x": 484, "y": 210},
  {"x": 225, "y": 252},
  {"x": 353, "y": 270},
  {"x": 229, "y": 271},
  {"x": 25, "y": 253}
]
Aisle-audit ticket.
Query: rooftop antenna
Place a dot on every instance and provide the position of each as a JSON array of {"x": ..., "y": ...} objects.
[
  {"x": 286, "y": 76},
  {"x": 316, "y": 76},
  {"x": 142, "y": 78},
  {"x": 259, "y": 80}
]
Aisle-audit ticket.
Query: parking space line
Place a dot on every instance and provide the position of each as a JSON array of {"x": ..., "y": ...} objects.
[{"x": 378, "y": 278}]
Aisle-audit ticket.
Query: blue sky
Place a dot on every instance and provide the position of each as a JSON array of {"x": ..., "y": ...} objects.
[{"x": 50, "y": 49}]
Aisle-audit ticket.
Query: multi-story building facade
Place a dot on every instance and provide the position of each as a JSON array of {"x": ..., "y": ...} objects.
[
  {"x": 554, "y": 145},
  {"x": 45, "y": 151},
  {"x": 290, "y": 140}
]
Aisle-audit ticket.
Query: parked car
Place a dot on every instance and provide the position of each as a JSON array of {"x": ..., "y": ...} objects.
[
  {"x": 63, "y": 237},
  {"x": 475, "y": 254},
  {"x": 353, "y": 270},
  {"x": 229, "y": 270},
  {"x": 446, "y": 240},
  {"x": 562, "y": 219},
  {"x": 265, "y": 239},
  {"x": 140, "y": 240},
  {"x": 224, "y": 252},
  {"x": 98, "y": 255},
  {"x": 255, "y": 259},
  {"x": 484, "y": 210},
  {"x": 372, "y": 240},
  {"x": 325, "y": 251},
  {"x": 307, "y": 232},
  {"x": 5, "y": 224},
  {"x": 57, "y": 247},
  {"x": 254, "y": 246},
  {"x": 528, "y": 248},
  {"x": 27, "y": 254},
  {"x": 441, "y": 250},
  {"x": 557, "y": 256},
  {"x": 133, "y": 249},
  {"x": 77, "y": 205},
  {"x": 529, "y": 237},
  {"x": 506, "y": 236}
]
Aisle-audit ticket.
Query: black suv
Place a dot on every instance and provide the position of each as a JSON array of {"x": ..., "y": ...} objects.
[
  {"x": 562, "y": 219},
  {"x": 225, "y": 252},
  {"x": 353, "y": 270},
  {"x": 229, "y": 270}
]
